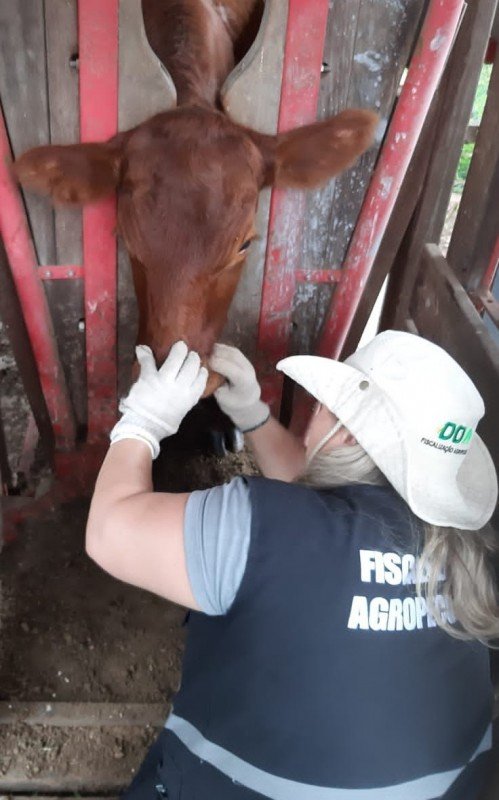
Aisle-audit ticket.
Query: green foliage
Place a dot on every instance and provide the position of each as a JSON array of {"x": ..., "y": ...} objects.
[
  {"x": 475, "y": 119},
  {"x": 463, "y": 167}
]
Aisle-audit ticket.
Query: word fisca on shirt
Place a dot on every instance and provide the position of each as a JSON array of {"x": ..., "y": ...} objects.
[{"x": 392, "y": 614}]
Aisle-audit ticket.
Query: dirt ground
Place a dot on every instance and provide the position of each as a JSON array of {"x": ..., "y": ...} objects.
[{"x": 69, "y": 632}]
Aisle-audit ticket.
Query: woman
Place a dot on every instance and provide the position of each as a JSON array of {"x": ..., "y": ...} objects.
[{"x": 338, "y": 652}]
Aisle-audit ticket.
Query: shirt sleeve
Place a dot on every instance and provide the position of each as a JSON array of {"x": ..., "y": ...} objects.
[{"x": 217, "y": 528}]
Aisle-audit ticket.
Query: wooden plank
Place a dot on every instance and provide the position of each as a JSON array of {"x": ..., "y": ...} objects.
[
  {"x": 62, "y": 81},
  {"x": 5, "y": 471},
  {"x": 396, "y": 230},
  {"x": 78, "y": 715},
  {"x": 66, "y": 297},
  {"x": 145, "y": 86},
  {"x": 476, "y": 227},
  {"x": 367, "y": 48},
  {"x": 15, "y": 329},
  {"x": 90, "y": 748},
  {"x": 457, "y": 94},
  {"x": 251, "y": 97},
  {"x": 23, "y": 91},
  {"x": 490, "y": 305},
  {"x": 128, "y": 320},
  {"x": 443, "y": 313},
  {"x": 54, "y": 797}
]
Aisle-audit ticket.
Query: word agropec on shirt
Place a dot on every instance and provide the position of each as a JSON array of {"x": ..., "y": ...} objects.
[{"x": 396, "y": 613}]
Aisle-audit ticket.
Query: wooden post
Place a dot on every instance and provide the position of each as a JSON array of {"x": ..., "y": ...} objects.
[
  {"x": 15, "y": 328},
  {"x": 477, "y": 224},
  {"x": 457, "y": 95}
]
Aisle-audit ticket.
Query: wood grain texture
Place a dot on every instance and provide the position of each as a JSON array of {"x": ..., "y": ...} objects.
[
  {"x": 66, "y": 297},
  {"x": 367, "y": 47},
  {"x": 457, "y": 93},
  {"x": 477, "y": 224},
  {"x": 444, "y": 314},
  {"x": 14, "y": 328},
  {"x": 145, "y": 86},
  {"x": 403, "y": 211},
  {"x": 23, "y": 91},
  {"x": 251, "y": 97}
]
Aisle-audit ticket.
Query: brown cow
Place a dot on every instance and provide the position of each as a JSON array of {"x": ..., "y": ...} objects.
[{"x": 188, "y": 180}]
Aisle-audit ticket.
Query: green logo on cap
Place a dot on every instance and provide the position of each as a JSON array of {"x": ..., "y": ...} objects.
[{"x": 458, "y": 434}]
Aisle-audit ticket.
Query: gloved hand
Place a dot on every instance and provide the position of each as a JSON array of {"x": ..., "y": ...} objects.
[
  {"x": 239, "y": 398},
  {"x": 160, "y": 398}
]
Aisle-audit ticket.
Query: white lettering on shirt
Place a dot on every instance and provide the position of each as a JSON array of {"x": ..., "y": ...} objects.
[{"x": 392, "y": 614}]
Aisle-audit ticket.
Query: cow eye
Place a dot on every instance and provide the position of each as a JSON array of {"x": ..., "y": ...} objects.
[{"x": 245, "y": 246}]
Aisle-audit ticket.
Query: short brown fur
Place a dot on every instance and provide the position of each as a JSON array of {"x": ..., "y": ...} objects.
[{"x": 188, "y": 180}]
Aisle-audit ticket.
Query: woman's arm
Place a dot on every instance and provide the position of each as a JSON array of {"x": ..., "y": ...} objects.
[
  {"x": 278, "y": 453},
  {"x": 133, "y": 533}
]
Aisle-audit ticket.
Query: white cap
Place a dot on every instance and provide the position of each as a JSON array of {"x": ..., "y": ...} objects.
[{"x": 414, "y": 411}]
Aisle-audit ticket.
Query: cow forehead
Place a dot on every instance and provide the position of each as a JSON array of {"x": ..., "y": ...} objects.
[
  {"x": 198, "y": 145},
  {"x": 190, "y": 172}
]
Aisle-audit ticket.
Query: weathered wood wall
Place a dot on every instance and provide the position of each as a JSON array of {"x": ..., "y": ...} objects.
[
  {"x": 367, "y": 47},
  {"x": 39, "y": 95}
]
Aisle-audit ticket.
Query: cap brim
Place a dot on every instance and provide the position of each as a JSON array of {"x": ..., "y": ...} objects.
[{"x": 466, "y": 502}]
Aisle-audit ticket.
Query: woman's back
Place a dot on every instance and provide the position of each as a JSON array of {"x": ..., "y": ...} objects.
[{"x": 327, "y": 673}]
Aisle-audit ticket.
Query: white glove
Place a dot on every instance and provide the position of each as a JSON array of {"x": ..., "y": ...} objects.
[
  {"x": 239, "y": 398},
  {"x": 160, "y": 398}
]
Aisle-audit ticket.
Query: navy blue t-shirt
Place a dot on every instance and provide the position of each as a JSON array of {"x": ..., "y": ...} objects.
[{"x": 316, "y": 672}]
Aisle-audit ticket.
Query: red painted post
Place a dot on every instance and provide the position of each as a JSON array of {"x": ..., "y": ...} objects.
[
  {"x": 426, "y": 68},
  {"x": 98, "y": 64},
  {"x": 305, "y": 34},
  {"x": 24, "y": 265},
  {"x": 493, "y": 266}
]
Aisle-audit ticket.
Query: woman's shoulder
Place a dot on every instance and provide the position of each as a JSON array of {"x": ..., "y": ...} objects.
[{"x": 355, "y": 504}]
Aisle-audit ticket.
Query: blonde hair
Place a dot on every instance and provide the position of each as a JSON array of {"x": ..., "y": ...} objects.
[
  {"x": 341, "y": 466},
  {"x": 454, "y": 573},
  {"x": 456, "y": 565}
]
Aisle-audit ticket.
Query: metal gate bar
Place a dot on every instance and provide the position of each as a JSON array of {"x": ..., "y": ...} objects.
[
  {"x": 98, "y": 64},
  {"x": 23, "y": 263},
  {"x": 303, "y": 53},
  {"x": 426, "y": 68}
]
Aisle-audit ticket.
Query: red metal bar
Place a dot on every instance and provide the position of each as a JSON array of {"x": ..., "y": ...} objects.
[
  {"x": 98, "y": 65},
  {"x": 491, "y": 271},
  {"x": 23, "y": 263},
  {"x": 56, "y": 272},
  {"x": 305, "y": 34},
  {"x": 318, "y": 275},
  {"x": 440, "y": 25}
]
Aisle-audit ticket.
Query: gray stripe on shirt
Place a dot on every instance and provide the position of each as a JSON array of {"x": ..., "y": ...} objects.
[{"x": 277, "y": 788}]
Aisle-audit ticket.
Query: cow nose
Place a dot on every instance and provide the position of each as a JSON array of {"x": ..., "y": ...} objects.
[{"x": 215, "y": 380}]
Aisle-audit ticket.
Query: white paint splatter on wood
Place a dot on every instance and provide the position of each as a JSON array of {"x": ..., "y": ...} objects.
[{"x": 370, "y": 59}]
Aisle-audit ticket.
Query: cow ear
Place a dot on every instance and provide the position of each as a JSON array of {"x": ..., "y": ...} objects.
[
  {"x": 307, "y": 157},
  {"x": 71, "y": 174}
]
